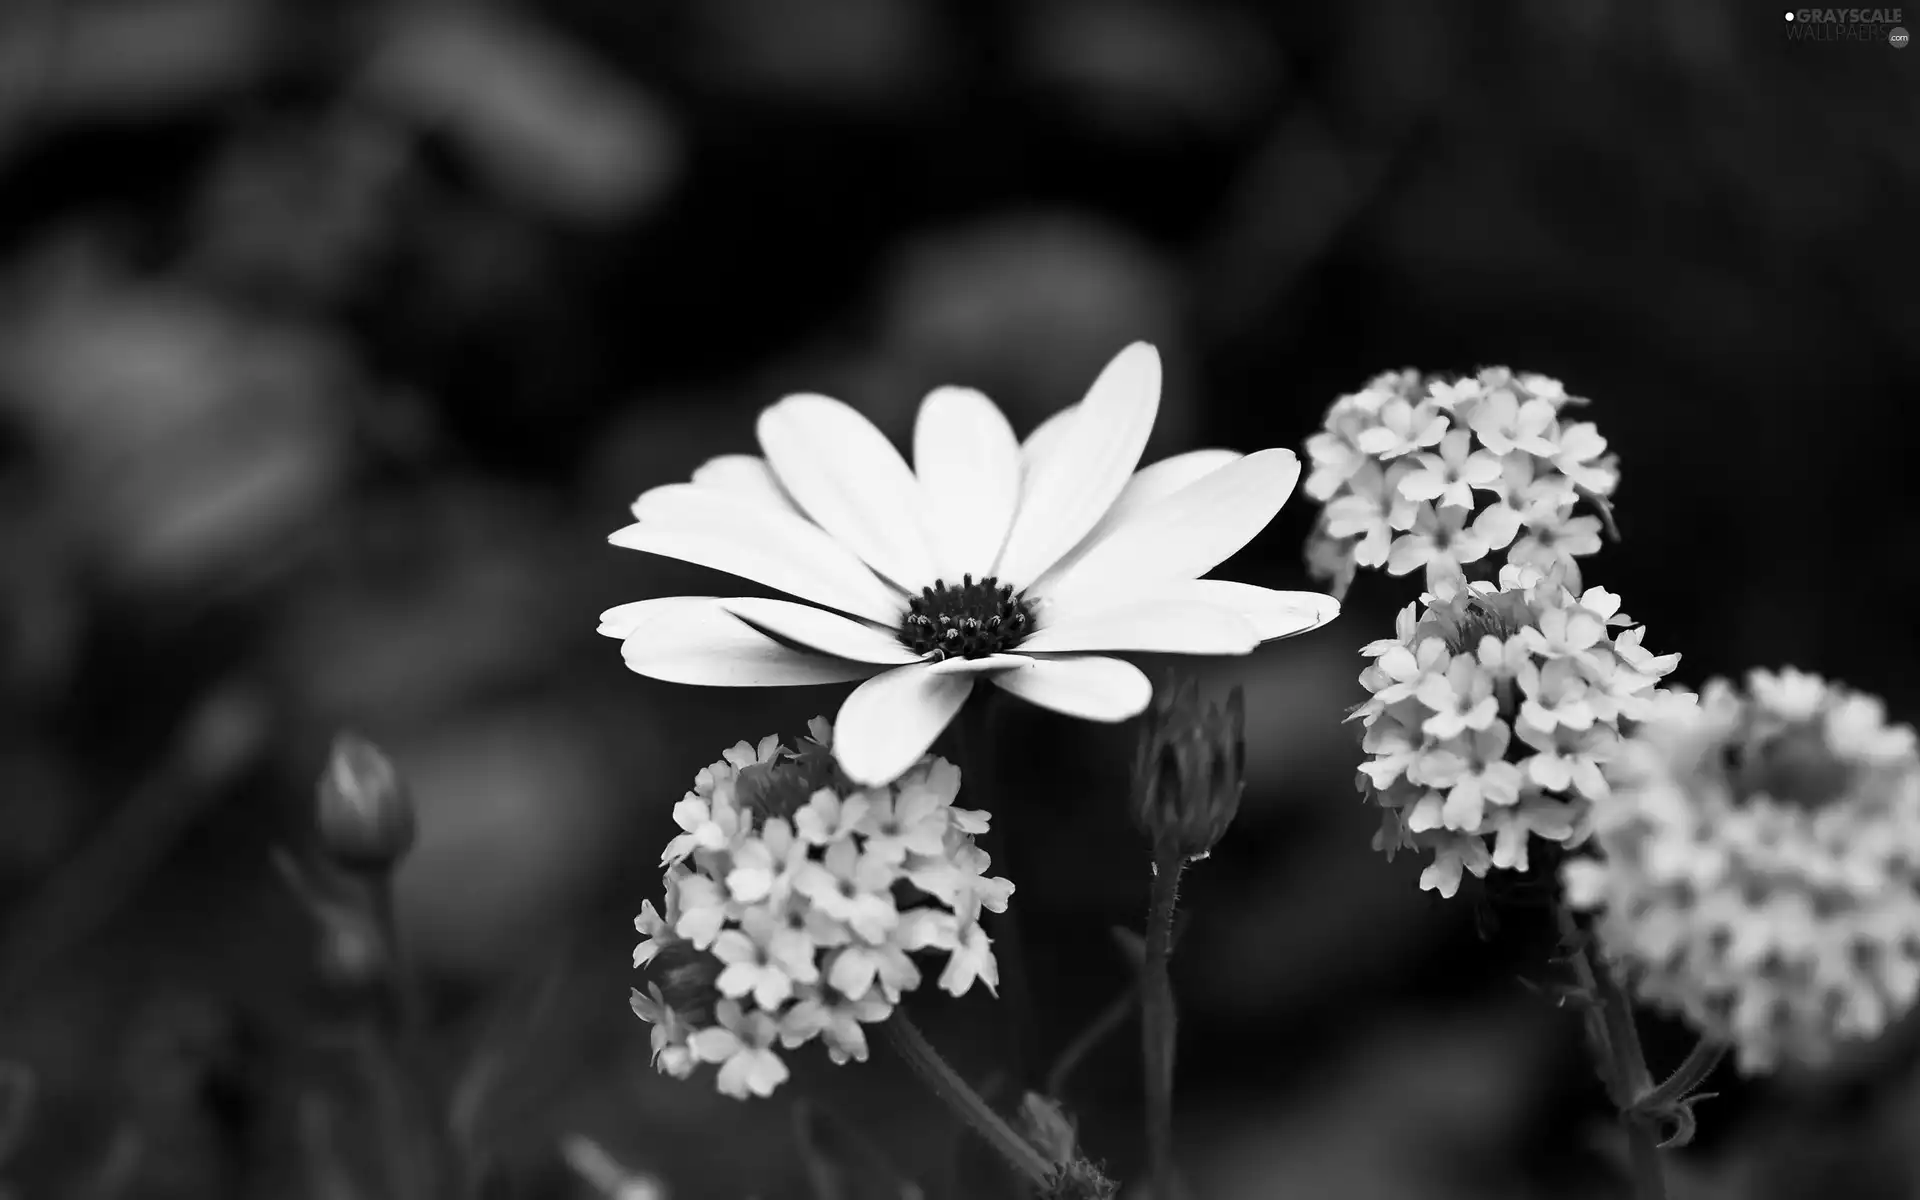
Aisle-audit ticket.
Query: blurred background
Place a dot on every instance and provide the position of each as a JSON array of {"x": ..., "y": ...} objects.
[{"x": 335, "y": 338}]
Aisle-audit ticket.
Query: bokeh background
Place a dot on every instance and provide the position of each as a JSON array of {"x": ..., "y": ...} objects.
[{"x": 334, "y": 338}]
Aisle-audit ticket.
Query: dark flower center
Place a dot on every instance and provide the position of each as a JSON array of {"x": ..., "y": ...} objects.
[{"x": 965, "y": 620}]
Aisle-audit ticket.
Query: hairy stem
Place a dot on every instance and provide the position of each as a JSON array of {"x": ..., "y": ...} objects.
[
  {"x": 1160, "y": 1021},
  {"x": 1701, "y": 1061},
  {"x": 1619, "y": 1061},
  {"x": 966, "y": 1103}
]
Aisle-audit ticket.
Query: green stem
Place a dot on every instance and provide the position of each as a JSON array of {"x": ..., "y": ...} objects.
[
  {"x": 1160, "y": 1021},
  {"x": 966, "y": 1103},
  {"x": 1620, "y": 1062}
]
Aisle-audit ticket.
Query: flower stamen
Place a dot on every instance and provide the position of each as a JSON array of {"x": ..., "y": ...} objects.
[{"x": 966, "y": 620}]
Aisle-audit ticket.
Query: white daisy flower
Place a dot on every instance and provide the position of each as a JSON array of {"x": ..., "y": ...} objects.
[
  {"x": 1023, "y": 563},
  {"x": 806, "y": 919},
  {"x": 1440, "y": 474},
  {"x": 1491, "y": 714},
  {"x": 1758, "y": 868}
]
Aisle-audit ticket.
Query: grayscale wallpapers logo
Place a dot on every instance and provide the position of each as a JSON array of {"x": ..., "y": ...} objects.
[{"x": 1847, "y": 25}]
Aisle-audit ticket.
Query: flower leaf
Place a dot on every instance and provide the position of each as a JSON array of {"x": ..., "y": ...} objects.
[{"x": 1684, "y": 1124}]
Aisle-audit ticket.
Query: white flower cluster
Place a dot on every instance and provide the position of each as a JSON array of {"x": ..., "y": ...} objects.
[
  {"x": 794, "y": 905},
  {"x": 1414, "y": 473},
  {"x": 1761, "y": 870},
  {"x": 1491, "y": 714}
]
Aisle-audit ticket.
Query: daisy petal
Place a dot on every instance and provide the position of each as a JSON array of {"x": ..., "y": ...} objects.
[
  {"x": 694, "y": 639},
  {"x": 1185, "y": 535},
  {"x": 979, "y": 666},
  {"x": 829, "y": 633},
  {"x": 1273, "y": 614},
  {"x": 1094, "y": 689},
  {"x": 1157, "y": 481},
  {"x": 1157, "y": 628},
  {"x": 1046, "y": 440},
  {"x": 968, "y": 462},
  {"x": 619, "y": 621},
  {"x": 744, "y": 475},
  {"x": 709, "y": 528},
  {"x": 1071, "y": 488},
  {"x": 890, "y": 721},
  {"x": 1149, "y": 485},
  {"x": 848, "y": 477}
]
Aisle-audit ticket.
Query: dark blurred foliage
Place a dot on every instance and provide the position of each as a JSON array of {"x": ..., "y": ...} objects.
[{"x": 335, "y": 337}]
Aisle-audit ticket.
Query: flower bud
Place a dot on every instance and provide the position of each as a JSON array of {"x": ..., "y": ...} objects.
[
  {"x": 1189, "y": 769},
  {"x": 365, "y": 815}
]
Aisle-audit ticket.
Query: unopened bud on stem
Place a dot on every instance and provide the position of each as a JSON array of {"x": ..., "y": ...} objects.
[
  {"x": 1189, "y": 770},
  {"x": 364, "y": 813}
]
